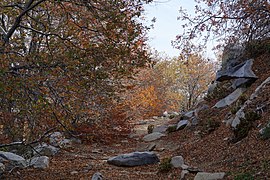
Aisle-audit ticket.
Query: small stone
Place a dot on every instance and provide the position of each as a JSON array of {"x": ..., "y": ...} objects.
[
  {"x": 74, "y": 173},
  {"x": 41, "y": 162},
  {"x": 177, "y": 161},
  {"x": 56, "y": 138},
  {"x": 209, "y": 176},
  {"x": 151, "y": 147},
  {"x": 183, "y": 174},
  {"x": 2, "y": 168},
  {"x": 182, "y": 124},
  {"x": 97, "y": 176},
  {"x": 184, "y": 167},
  {"x": 45, "y": 150}
]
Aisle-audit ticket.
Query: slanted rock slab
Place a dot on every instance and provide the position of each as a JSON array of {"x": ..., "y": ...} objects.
[
  {"x": 134, "y": 159},
  {"x": 182, "y": 124},
  {"x": 161, "y": 129},
  {"x": 13, "y": 159},
  {"x": 153, "y": 136},
  {"x": 243, "y": 70},
  {"x": 231, "y": 98},
  {"x": 209, "y": 176}
]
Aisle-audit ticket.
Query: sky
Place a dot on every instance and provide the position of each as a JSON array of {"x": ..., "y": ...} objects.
[{"x": 167, "y": 27}]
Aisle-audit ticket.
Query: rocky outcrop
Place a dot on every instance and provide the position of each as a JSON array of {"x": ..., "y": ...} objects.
[
  {"x": 134, "y": 159},
  {"x": 242, "y": 70},
  {"x": 240, "y": 114}
]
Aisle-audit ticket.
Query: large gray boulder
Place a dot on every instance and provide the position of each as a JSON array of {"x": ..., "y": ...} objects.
[
  {"x": 134, "y": 159},
  {"x": 231, "y": 98},
  {"x": 209, "y": 176},
  {"x": 13, "y": 159},
  {"x": 41, "y": 162},
  {"x": 44, "y": 149},
  {"x": 153, "y": 136},
  {"x": 242, "y": 70}
]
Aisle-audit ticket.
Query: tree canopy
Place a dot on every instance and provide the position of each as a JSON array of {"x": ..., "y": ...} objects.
[
  {"x": 227, "y": 21},
  {"x": 62, "y": 61}
]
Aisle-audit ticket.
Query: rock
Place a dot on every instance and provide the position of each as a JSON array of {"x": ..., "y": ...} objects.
[
  {"x": 177, "y": 161},
  {"x": 240, "y": 114},
  {"x": 65, "y": 143},
  {"x": 165, "y": 113},
  {"x": 188, "y": 114},
  {"x": 74, "y": 173},
  {"x": 183, "y": 174},
  {"x": 97, "y": 176},
  {"x": 231, "y": 98},
  {"x": 87, "y": 168},
  {"x": 212, "y": 87},
  {"x": 185, "y": 167},
  {"x": 13, "y": 159},
  {"x": 182, "y": 124},
  {"x": 242, "y": 82},
  {"x": 194, "y": 121},
  {"x": 2, "y": 169},
  {"x": 45, "y": 150},
  {"x": 153, "y": 136},
  {"x": 194, "y": 170},
  {"x": 242, "y": 70},
  {"x": 151, "y": 147},
  {"x": 161, "y": 129},
  {"x": 41, "y": 162},
  {"x": 58, "y": 140},
  {"x": 76, "y": 140},
  {"x": 134, "y": 159},
  {"x": 209, "y": 176}
]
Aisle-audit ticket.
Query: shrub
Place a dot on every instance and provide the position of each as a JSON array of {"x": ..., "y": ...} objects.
[
  {"x": 171, "y": 129},
  {"x": 150, "y": 128},
  {"x": 245, "y": 125},
  {"x": 244, "y": 176},
  {"x": 266, "y": 133},
  {"x": 165, "y": 165}
]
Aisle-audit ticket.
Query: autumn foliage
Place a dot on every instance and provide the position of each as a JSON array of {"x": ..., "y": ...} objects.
[{"x": 63, "y": 64}]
